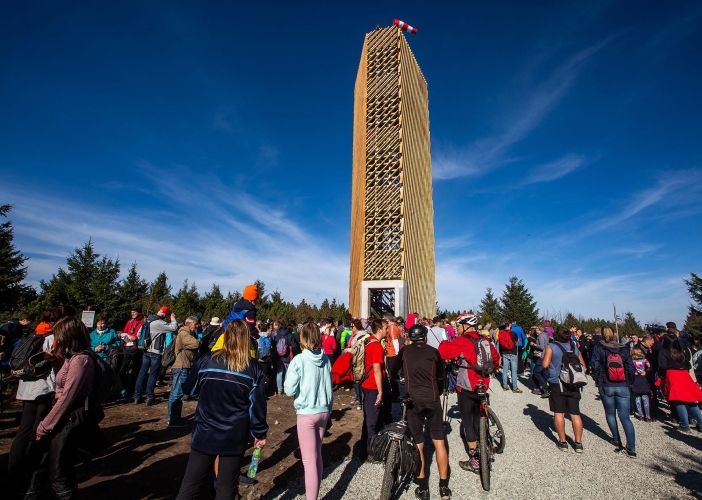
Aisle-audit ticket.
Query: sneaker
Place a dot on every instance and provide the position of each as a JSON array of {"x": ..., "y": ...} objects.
[
  {"x": 355, "y": 402},
  {"x": 649, "y": 419},
  {"x": 177, "y": 423},
  {"x": 545, "y": 395},
  {"x": 536, "y": 391},
  {"x": 422, "y": 494},
  {"x": 517, "y": 391},
  {"x": 578, "y": 447},
  {"x": 138, "y": 401},
  {"x": 445, "y": 493},
  {"x": 505, "y": 388},
  {"x": 629, "y": 453},
  {"x": 686, "y": 430},
  {"x": 563, "y": 446},
  {"x": 160, "y": 384},
  {"x": 150, "y": 402},
  {"x": 472, "y": 464}
]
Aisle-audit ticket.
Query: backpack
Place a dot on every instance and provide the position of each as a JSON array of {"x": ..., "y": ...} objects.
[
  {"x": 264, "y": 348},
  {"x": 615, "y": 367},
  {"x": 145, "y": 334},
  {"x": 104, "y": 379},
  {"x": 506, "y": 341},
  {"x": 169, "y": 355},
  {"x": 27, "y": 362},
  {"x": 281, "y": 345},
  {"x": 358, "y": 353},
  {"x": 572, "y": 372},
  {"x": 115, "y": 356},
  {"x": 484, "y": 365}
]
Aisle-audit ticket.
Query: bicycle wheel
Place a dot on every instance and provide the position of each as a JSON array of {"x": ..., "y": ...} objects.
[
  {"x": 485, "y": 454},
  {"x": 392, "y": 462},
  {"x": 496, "y": 431}
]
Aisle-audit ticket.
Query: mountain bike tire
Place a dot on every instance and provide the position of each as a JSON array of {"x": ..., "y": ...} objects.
[
  {"x": 485, "y": 454},
  {"x": 497, "y": 432},
  {"x": 392, "y": 462}
]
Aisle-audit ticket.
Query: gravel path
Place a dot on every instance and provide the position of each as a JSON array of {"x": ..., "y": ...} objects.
[{"x": 669, "y": 464}]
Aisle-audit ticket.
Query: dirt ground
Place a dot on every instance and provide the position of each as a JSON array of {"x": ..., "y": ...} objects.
[{"x": 147, "y": 460}]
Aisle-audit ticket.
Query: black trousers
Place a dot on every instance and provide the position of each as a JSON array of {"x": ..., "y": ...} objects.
[
  {"x": 20, "y": 470},
  {"x": 199, "y": 468},
  {"x": 394, "y": 386},
  {"x": 374, "y": 417},
  {"x": 469, "y": 408},
  {"x": 130, "y": 369}
]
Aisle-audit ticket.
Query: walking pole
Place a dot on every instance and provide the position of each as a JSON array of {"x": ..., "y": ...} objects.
[{"x": 446, "y": 376}]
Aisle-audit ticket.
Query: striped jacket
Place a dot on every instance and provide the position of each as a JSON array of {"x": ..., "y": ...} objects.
[{"x": 231, "y": 406}]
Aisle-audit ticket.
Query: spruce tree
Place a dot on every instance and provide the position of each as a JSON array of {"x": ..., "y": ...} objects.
[
  {"x": 490, "y": 308},
  {"x": 214, "y": 305},
  {"x": 12, "y": 269},
  {"x": 131, "y": 292},
  {"x": 630, "y": 326},
  {"x": 186, "y": 302},
  {"x": 518, "y": 304},
  {"x": 159, "y": 294},
  {"x": 693, "y": 323}
]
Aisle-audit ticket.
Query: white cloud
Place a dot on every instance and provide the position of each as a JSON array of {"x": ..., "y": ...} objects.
[
  {"x": 490, "y": 153},
  {"x": 548, "y": 172}
]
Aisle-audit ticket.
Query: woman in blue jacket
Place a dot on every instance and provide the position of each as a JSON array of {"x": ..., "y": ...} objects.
[
  {"x": 613, "y": 371},
  {"x": 103, "y": 338},
  {"x": 231, "y": 407}
]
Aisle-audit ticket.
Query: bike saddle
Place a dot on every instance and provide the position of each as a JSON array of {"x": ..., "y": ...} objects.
[{"x": 406, "y": 400}]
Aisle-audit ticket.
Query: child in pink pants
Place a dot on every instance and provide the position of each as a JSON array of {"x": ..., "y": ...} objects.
[{"x": 309, "y": 381}]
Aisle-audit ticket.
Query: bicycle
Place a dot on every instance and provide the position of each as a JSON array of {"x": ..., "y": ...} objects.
[
  {"x": 398, "y": 465},
  {"x": 491, "y": 436}
]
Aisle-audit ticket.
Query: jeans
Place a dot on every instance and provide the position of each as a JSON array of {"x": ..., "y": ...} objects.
[
  {"x": 509, "y": 360},
  {"x": 282, "y": 368},
  {"x": 175, "y": 403},
  {"x": 150, "y": 363},
  {"x": 200, "y": 467},
  {"x": 616, "y": 401},
  {"x": 357, "y": 390},
  {"x": 538, "y": 375},
  {"x": 687, "y": 410}
]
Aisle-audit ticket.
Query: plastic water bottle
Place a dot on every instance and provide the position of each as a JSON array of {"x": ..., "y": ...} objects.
[{"x": 253, "y": 468}]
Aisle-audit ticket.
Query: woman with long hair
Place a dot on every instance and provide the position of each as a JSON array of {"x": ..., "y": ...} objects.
[
  {"x": 231, "y": 407},
  {"x": 613, "y": 371},
  {"x": 680, "y": 390},
  {"x": 65, "y": 425},
  {"x": 309, "y": 381},
  {"x": 328, "y": 343}
]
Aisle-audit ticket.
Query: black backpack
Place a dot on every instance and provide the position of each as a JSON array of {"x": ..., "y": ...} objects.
[
  {"x": 27, "y": 362},
  {"x": 104, "y": 379},
  {"x": 169, "y": 354}
]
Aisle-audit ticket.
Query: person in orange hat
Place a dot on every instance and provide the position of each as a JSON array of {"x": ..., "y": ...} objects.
[{"x": 243, "y": 309}]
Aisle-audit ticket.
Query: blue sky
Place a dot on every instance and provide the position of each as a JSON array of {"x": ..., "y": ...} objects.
[{"x": 213, "y": 140}]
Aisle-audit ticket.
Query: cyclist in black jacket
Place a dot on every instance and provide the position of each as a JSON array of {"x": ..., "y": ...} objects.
[{"x": 424, "y": 375}]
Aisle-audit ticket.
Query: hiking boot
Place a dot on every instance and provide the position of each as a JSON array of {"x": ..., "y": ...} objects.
[
  {"x": 422, "y": 494},
  {"x": 629, "y": 453},
  {"x": 138, "y": 401},
  {"x": 505, "y": 388},
  {"x": 150, "y": 402},
  {"x": 517, "y": 391},
  {"x": 563, "y": 446},
  {"x": 578, "y": 447},
  {"x": 445, "y": 493},
  {"x": 545, "y": 395}
]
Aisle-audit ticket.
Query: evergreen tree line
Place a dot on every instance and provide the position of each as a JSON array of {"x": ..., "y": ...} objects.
[{"x": 93, "y": 280}]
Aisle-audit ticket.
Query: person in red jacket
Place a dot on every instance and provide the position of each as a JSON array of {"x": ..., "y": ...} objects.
[
  {"x": 467, "y": 381},
  {"x": 131, "y": 364}
]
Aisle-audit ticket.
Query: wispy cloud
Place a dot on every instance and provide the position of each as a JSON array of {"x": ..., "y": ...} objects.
[
  {"x": 492, "y": 152},
  {"x": 638, "y": 251},
  {"x": 551, "y": 171},
  {"x": 226, "y": 120},
  {"x": 226, "y": 237}
]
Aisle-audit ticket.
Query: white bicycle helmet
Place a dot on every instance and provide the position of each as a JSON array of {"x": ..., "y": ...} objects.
[{"x": 467, "y": 319}]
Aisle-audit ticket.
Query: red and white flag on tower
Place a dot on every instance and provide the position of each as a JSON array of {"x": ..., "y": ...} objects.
[{"x": 404, "y": 26}]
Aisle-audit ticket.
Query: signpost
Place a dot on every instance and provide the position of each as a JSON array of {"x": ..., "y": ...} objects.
[{"x": 88, "y": 318}]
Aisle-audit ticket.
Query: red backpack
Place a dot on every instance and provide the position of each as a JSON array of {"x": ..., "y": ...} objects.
[
  {"x": 615, "y": 366},
  {"x": 506, "y": 341}
]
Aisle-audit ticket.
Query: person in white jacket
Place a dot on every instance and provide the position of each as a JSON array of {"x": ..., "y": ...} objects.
[{"x": 309, "y": 381}]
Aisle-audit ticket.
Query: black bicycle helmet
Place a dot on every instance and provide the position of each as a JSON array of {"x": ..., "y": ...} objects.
[{"x": 417, "y": 333}]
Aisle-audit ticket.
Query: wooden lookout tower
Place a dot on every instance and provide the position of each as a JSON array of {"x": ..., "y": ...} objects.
[{"x": 392, "y": 214}]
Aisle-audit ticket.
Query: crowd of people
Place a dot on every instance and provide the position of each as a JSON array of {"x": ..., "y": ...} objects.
[{"x": 234, "y": 366}]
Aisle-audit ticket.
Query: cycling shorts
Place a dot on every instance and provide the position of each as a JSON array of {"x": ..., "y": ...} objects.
[{"x": 431, "y": 412}]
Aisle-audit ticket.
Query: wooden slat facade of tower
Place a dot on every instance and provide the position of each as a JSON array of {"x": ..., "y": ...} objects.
[{"x": 392, "y": 218}]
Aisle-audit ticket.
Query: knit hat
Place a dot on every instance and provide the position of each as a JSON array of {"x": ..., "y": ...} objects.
[
  {"x": 251, "y": 293},
  {"x": 136, "y": 308},
  {"x": 164, "y": 310}
]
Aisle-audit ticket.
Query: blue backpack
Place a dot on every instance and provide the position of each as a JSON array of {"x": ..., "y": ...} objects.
[
  {"x": 145, "y": 334},
  {"x": 264, "y": 348}
]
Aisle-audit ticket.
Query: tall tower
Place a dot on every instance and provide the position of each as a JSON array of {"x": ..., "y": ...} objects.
[{"x": 392, "y": 214}]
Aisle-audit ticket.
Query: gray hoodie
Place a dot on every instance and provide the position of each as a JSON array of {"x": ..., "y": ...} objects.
[{"x": 158, "y": 328}]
